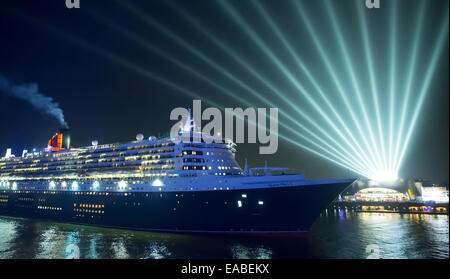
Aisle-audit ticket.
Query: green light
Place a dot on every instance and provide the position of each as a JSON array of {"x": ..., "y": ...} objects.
[
  {"x": 362, "y": 155},
  {"x": 339, "y": 86},
  {"x": 373, "y": 82},
  {"x": 209, "y": 61},
  {"x": 442, "y": 39},
  {"x": 412, "y": 68},
  {"x": 392, "y": 78},
  {"x": 379, "y": 142},
  {"x": 232, "y": 12},
  {"x": 349, "y": 66},
  {"x": 122, "y": 62}
]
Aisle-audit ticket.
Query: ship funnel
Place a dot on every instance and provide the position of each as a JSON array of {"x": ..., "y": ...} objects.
[
  {"x": 60, "y": 140},
  {"x": 65, "y": 138}
]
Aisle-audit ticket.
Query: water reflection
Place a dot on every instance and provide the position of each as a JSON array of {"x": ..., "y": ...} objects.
[
  {"x": 396, "y": 235},
  {"x": 8, "y": 231},
  {"x": 157, "y": 251},
  {"x": 244, "y": 252},
  {"x": 336, "y": 234},
  {"x": 93, "y": 247},
  {"x": 394, "y": 240},
  {"x": 119, "y": 249},
  {"x": 48, "y": 243},
  {"x": 72, "y": 245}
]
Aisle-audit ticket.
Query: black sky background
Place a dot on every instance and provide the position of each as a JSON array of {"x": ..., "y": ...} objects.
[{"x": 107, "y": 102}]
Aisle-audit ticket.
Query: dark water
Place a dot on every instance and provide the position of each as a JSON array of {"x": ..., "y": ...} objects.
[{"x": 337, "y": 234}]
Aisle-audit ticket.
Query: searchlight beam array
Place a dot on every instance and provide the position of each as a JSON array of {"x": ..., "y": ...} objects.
[{"x": 361, "y": 134}]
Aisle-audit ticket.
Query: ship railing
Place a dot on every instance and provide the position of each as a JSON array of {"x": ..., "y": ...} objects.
[{"x": 272, "y": 171}]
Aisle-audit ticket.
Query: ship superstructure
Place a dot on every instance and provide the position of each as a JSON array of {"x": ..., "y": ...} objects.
[
  {"x": 118, "y": 165},
  {"x": 167, "y": 184}
]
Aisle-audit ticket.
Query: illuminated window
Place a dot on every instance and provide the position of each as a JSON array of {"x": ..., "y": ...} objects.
[{"x": 239, "y": 204}]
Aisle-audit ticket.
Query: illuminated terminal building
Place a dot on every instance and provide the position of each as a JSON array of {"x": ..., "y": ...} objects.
[
  {"x": 400, "y": 190},
  {"x": 402, "y": 194}
]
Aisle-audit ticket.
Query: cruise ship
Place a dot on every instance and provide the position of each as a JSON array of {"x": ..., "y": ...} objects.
[{"x": 171, "y": 184}]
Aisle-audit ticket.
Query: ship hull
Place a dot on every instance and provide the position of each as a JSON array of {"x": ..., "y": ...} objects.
[{"x": 263, "y": 210}]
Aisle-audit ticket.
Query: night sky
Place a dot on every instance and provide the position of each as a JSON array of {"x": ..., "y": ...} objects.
[{"x": 73, "y": 56}]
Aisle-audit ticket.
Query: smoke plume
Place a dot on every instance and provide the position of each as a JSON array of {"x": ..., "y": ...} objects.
[{"x": 30, "y": 93}]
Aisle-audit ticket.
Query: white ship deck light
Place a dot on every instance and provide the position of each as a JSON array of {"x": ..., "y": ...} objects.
[
  {"x": 96, "y": 184},
  {"x": 260, "y": 202},
  {"x": 74, "y": 185},
  {"x": 122, "y": 185},
  {"x": 239, "y": 204},
  {"x": 157, "y": 183},
  {"x": 64, "y": 184},
  {"x": 52, "y": 184},
  {"x": 14, "y": 186},
  {"x": 244, "y": 195}
]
